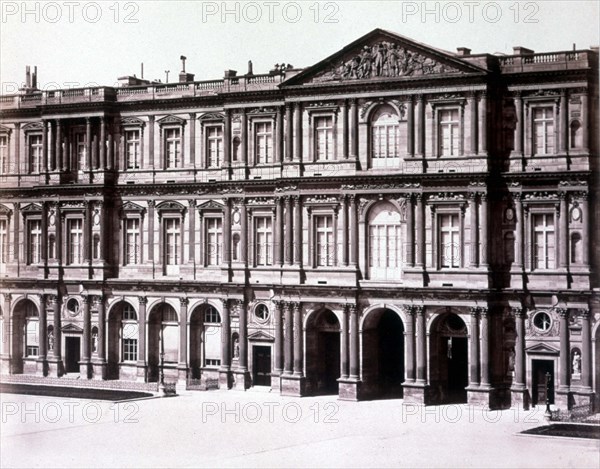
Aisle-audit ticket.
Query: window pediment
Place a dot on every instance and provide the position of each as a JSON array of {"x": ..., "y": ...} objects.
[
  {"x": 212, "y": 116},
  {"x": 170, "y": 206},
  {"x": 171, "y": 120},
  {"x": 5, "y": 130},
  {"x": 132, "y": 122},
  {"x": 33, "y": 127},
  {"x": 5, "y": 211},
  {"x": 130, "y": 207},
  {"x": 31, "y": 208},
  {"x": 211, "y": 205}
]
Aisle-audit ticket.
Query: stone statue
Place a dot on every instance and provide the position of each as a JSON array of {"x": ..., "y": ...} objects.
[
  {"x": 95, "y": 342},
  {"x": 51, "y": 340},
  {"x": 236, "y": 348},
  {"x": 576, "y": 362},
  {"x": 511, "y": 360}
]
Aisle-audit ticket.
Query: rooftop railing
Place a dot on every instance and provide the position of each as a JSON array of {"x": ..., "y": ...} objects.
[{"x": 545, "y": 61}]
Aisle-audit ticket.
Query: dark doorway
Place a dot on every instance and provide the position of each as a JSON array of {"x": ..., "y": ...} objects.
[
  {"x": 539, "y": 370},
  {"x": 330, "y": 341},
  {"x": 390, "y": 332},
  {"x": 261, "y": 365},
  {"x": 456, "y": 349},
  {"x": 72, "y": 354}
]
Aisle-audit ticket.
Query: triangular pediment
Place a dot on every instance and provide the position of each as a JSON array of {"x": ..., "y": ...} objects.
[
  {"x": 171, "y": 119},
  {"x": 132, "y": 122},
  {"x": 260, "y": 335},
  {"x": 71, "y": 328},
  {"x": 5, "y": 130},
  {"x": 382, "y": 55},
  {"x": 132, "y": 207},
  {"x": 211, "y": 205},
  {"x": 5, "y": 211},
  {"x": 33, "y": 127},
  {"x": 31, "y": 208},
  {"x": 170, "y": 206},
  {"x": 543, "y": 349}
]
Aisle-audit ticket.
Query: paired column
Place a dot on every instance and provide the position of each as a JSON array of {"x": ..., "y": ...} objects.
[
  {"x": 586, "y": 351},
  {"x": 421, "y": 345},
  {"x": 410, "y": 344},
  {"x": 243, "y": 332},
  {"x": 354, "y": 349},
  {"x": 485, "y": 348},
  {"x": 289, "y": 339},
  {"x": 298, "y": 336},
  {"x": 141, "y": 363},
  {"x": 563, "y": 237},
  {"x": 344, "y": 343},
  {"x": 474, "y": 369},
  {"x": 289, "y": 245},
  {"x": 183, "y": 339},
  {"x": 225, "y": 338},
  {"x": 353, "y": 129},
  {"x": 565, "y": 355},
  {"x": 278, "y": 352}
]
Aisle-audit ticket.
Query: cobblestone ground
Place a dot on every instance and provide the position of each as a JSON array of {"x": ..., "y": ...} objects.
[{"x": 242, "y": 429}]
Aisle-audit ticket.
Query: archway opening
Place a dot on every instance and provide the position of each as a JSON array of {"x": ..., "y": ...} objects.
[
  {"x": 205, "y": 340},
  {"x": 163, "y": 343},
  {"x": 383, "y": 354},
  {"x": 323, "y": 352},
  {"x": 26, "y": 340},
  {"x": 449, "y": 356},
  {"x": 123, "y": 335}
]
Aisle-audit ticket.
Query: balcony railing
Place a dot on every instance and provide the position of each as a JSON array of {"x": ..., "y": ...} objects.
[
  {"x": 569, "y": 60},
  {"x": 139, "y": 93}
]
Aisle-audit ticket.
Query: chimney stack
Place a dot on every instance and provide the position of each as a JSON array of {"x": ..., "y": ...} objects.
[
  {"x": 250, "y": 71},
  {"x": 463, "y": 51}
]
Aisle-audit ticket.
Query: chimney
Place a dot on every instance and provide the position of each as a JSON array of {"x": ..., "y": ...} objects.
[
  {"x": 27, "y": 77},
  {"x": 518, "y": 50},
  {"x": 34, "y": 78},
  {"x": 463, "y": 51},
  {"x": 250, "y": 68},
  {"x": 183, "y": 76},
  {"x": 230, "y": 73}
]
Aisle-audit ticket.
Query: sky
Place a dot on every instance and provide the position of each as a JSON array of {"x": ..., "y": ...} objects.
[{"x": 85, "y": 43}]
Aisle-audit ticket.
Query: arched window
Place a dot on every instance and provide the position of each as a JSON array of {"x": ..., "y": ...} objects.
[
  {"x": 576, "y": 248},
  {"x": 385, "y": 247},
  {"x": 388, "y": 137},
  {"x": 129, "y": 333}
]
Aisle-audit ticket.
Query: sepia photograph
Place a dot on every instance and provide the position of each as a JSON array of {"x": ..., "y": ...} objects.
[{"x": 289, "y": 234}]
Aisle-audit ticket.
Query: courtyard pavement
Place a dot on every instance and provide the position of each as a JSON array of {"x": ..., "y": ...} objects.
[{"x": 261, "y": 429}]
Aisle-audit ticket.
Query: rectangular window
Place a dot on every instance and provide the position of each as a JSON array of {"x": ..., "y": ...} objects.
[
  {"x": 173, "y": 147},
  {"x": 263, "y": 241},
  {"x": 449, "y": 132},
  {"x": 264, "y": 142},
  {"x": 32, "y": 345},
  {"x": 34, "y": 241},
  {"x": 324, "y": 138},
  {"x": 543, "y": 131},
  {"x": 449, "y": 240},
  {"x": 543, "y": 241},
  {"x": 324, "y": 245},
  {"x": 213, "y": 362},
  {"x": 132, "y": 241},
  {"x": 3, "y": 154},
  {"x": 172, "y": 241},
  {"x": 214, "y": 146},
  {"x": 3, "y": 241},
  {"x": 130, "y": 350},
  {"x": 132, "y": 149},
  {"x": 75, "y": 241},
  {"x": 35, "y": 153},
  {"x": 214, "y": 241},
  {"x": 80, "y": 151}
]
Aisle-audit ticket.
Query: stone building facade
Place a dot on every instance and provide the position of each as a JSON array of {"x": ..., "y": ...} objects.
[{"x": 394, "y": 220}]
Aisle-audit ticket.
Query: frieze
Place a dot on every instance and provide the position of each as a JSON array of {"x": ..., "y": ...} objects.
[
  {"x": 322, "y": 199},
  {"x": 260, "y": 201},
  {"x": 382, "y": 60},
  {"x": 396, "y": 186}
]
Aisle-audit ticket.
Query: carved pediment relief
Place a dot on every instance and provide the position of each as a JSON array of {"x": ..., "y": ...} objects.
[
  {"x": 211, "y": 205},
  {"x": 5, "y": 211},
  {"x": 543, "y": 349},
  {"x": 132, "y": 122},
  {"x": 31, "y": 208},
  {"x": 170, "y": 206},
  {"x": 5, "y": 130},
  {"x": 171, "y": 120},
  {"x": 71, "y": 328},
  {"x": 132, "y": 207},
  {"x": 33, "y": 127},
  {"x": 212, "y": 116},
  {"x": 383, "y": 55}
]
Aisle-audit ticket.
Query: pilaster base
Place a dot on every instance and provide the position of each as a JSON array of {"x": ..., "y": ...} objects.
[
  {"x": 349, "y": 389},
  {"x": 141, "y": 372},
  {"x": 4, "y": 365},
  {"x": 182, "y": 372},
  {"x": 415, "y": 393},
  {"x": 563, "y": 399},
  {"x": 85, "y": 370},
  {"x": 484, "y": 396},
  {"x": 276, "y": 382},
  {"x": 293, "y": 385},
  {"x": 519, "y": 397},
  {"x": 99, "y": 370},
  {"x": 224, "y": 379},
  {"x": 55, "y": 368},
  {"x": 584, "y": 397},
  {"x": 241, "y": 380},
  {"x": 41, "y": 367}
]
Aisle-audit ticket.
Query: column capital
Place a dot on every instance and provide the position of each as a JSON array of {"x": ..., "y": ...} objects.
[
  {"x": 98, "y": 299},
  {"x": 484, "y": 311},
  {"x": 225, "y": 303},
  {"x": 563, "y": 313},
  {"x": 409, "y": 309},
  {"x": 585, "y": 313},
  {"x": 474, "y": 311},
  {"x": 519, "y": 312},
  {"x": 278, "y": 304},
  {"x": 184, "y": 301},
  {"x": 143, "y": 300},
  {"x": 350, "y": 308},
  {"x": 85, "y": 299}
]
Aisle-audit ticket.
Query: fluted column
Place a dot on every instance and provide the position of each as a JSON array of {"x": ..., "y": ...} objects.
[
  {"x": 420, "y": 126},
  {"x": 344, "y": 342},
  {"x": 243, "y": 338},
  {"x": 483, "y": 234},
  {"x": 289, "y": 339},
  {"x": 101, "y": 352},
  {"x": 482, "y": 114},
  {"x": 565, "y": 355},
  {"x": 298, "y": 230},
  {"x": 353, "y": 129},
  {"x": 474, "y": 229},
  {"x": 278, "y": 235},
  {"x": 586, "y": 350},
  {"x": 410, "y": 344},
  {"x": 354, "y": 338},
  {"x": 421, "y": 346},
  {"x": 298, "y": 132},
  {"x": 474, "y": 368},
  {"x": 520, "y": 348},
  {"x": 585, "y": 229},
  {"x": 563, "y": 237},
  {"x": 345, "y": 142},
  {"x": 353, "y": 227},
  {"x": 289, "y": 133},
  {"x": 519, "y": 227},
  {"x": 183, "y": 338},
  {"x": 298, "y": 340},
  {"x": 278, "y": 135},
  {"x": 420, "y": 218},
  {"x": 519, "y": 128},
  {"x": 88, "y": 144},
  {"x": 225, "y": 337},
  {"x": 278, "y": 352},
  {"x": 289, "y": 246},
  {"x": 227, "y": 234},
  {"x": 141, "y": 363},
  {"x": 485, "y": 348}
]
